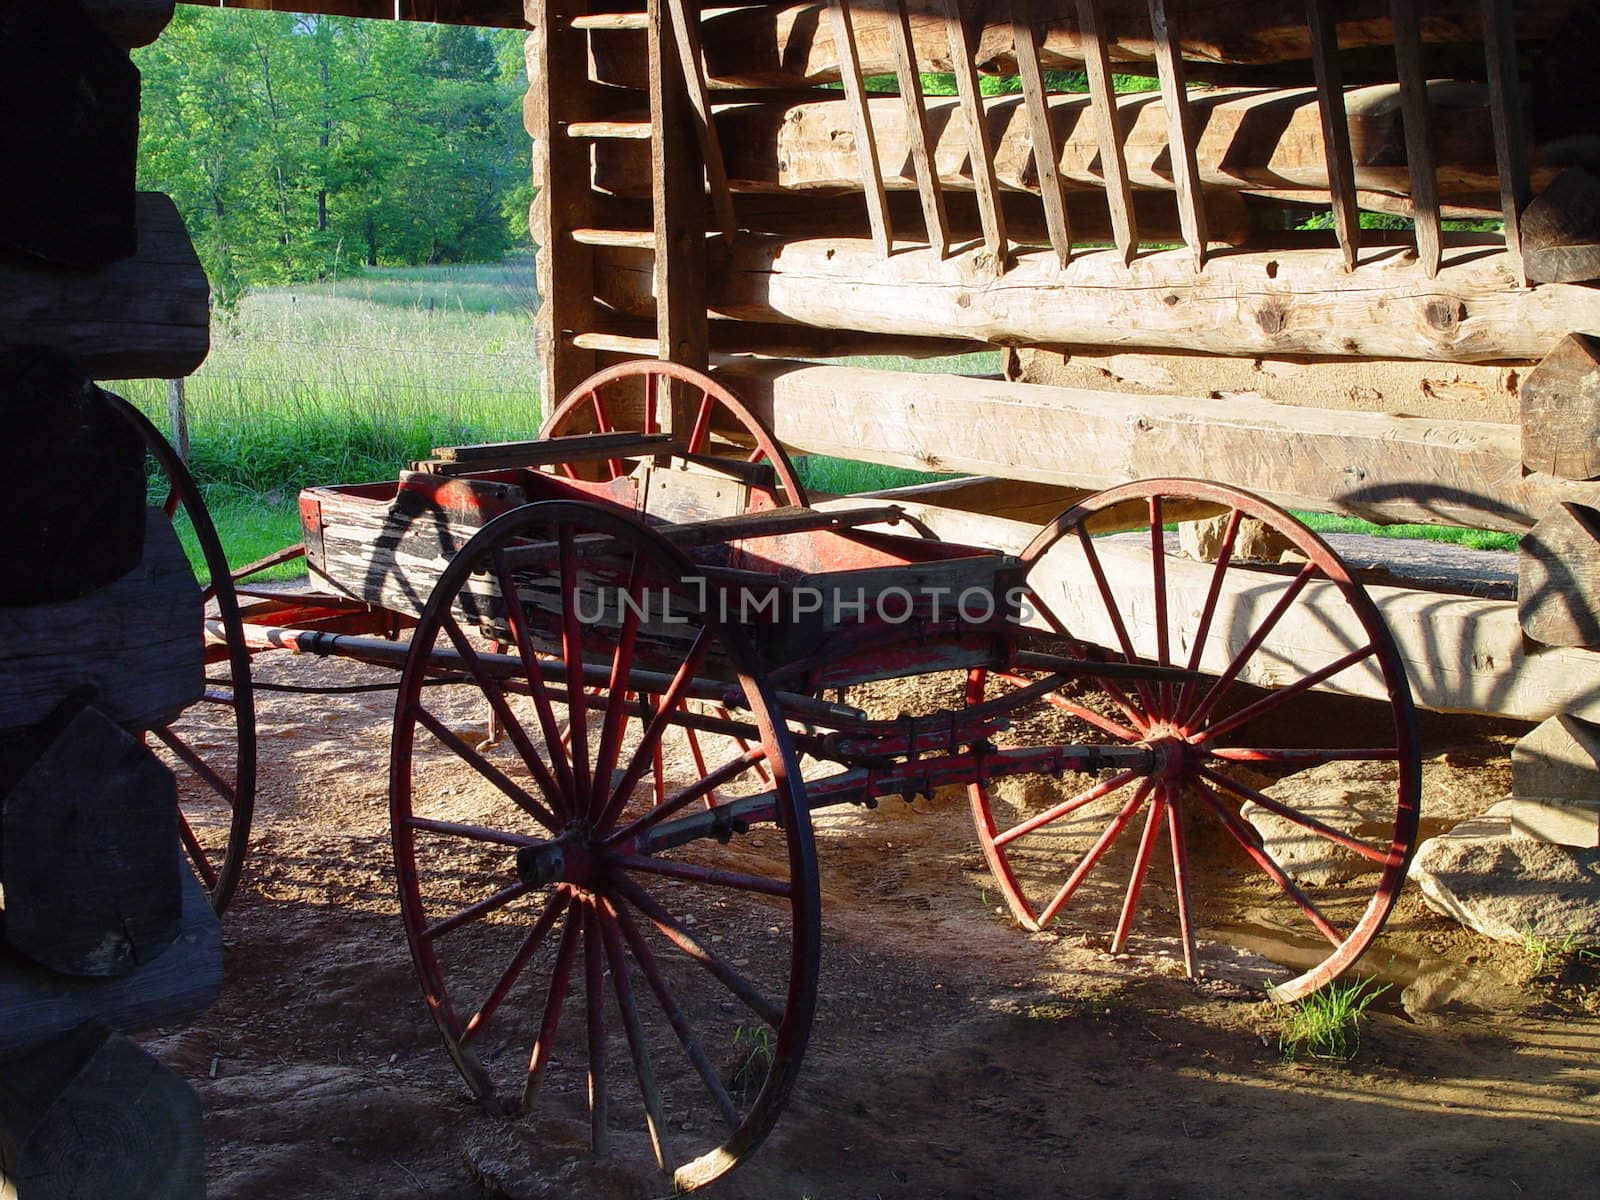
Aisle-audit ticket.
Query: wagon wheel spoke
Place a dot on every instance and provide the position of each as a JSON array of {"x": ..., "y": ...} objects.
[
  {"x": 513, "y": 791},
  {"x": 1208, "y": 611},
  {"x": 1180, "y": 879},
  {"x": 678, "y": 934},
  {"x": 702, "y": 424},
  {"x": 1248, "y": 650},
  {"x": 1102, "y": 723},
  {"x": 617, "y": 707},
  {"x": 474, "y": 912},
  {"x": 1115, "y": 614},
  {"x": 1283, "y": 695},
  {"x": 1303, "y": 757},
  {"x": 517, "y": 620},
  {"x": 1096, "y": 852},
  {"x": 197, "y": 854},
  {"x": 645, "y": 754},
  {"x": 603, "y": 425},
  {"x": 501, "y": 708},
  {"x": 1141, "y": 862},
  {"x": 681, "y": 1026},
  {"x": 1251, "y": 844},
  {"x": 701, "y": 788},
  {"x": 471, "y": 833},
  {"x": 195, "y": 763},
  {"x": 698, "y": 755},
  {"x": 1158, "y": 572},
  {"x": 1066, "y": 807},
  {"x": 572, "y": 655},
  {"x": 514, "y": 969},
  {"x": 1110, "y": 687},
  {"x": 1354, "y": 844},
  {"x": 667, "y": 868},
  {"x": 655, "y": 1120},
  {"x": 761, "y": 769},
  {"x": 594, "y": 982},
  {"x": 555, "y": 997}
]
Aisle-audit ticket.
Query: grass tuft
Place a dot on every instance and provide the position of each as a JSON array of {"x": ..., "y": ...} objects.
[{"x": 1327, "y": 1024}]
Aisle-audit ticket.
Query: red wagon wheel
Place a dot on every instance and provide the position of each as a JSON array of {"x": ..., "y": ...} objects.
[
  {"x": 211, "y": 746},
  {"x": 698, "y": 929},
  {"x": 631, "y": 397},
  {"x": 1217, "y": 745}
]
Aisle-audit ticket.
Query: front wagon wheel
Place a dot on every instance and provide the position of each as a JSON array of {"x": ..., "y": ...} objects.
[{"x": 642, "y": 963}]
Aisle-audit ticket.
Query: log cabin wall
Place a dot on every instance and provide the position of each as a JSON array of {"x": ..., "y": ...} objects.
[{"x": 718, "y": 185}]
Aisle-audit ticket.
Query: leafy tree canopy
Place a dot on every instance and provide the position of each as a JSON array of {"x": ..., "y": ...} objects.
[{"x": 300, "y": 146}]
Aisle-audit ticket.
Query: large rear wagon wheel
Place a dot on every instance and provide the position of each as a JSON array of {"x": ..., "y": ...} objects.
[
  {"x": 211, "y": 746},
  {"x": 1217, "y": 745},
  {"x": 548, "y": 866}
]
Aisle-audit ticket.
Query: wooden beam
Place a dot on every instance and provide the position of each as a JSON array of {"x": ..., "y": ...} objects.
[
  {"x": 1558, "y": 578},
  {"x": 782, "y": 45},
  {"x": 563, "y": 202},
  {"x": 1561, "y": 411},
  {"x": 1165, "y": 28},
  {"x": 1254, "y": 139},
  {"x": 691, "y": 62},
  {"x": 1419, "y": 133},
  {"x": 1108, "y": 129},
  {"x": 910, "y": 80},
  {"x": 1271, "y": 302},
  {"x": 1561, "y": 230},
  {"x": 979, "y": 153},
  {"x": 1045, "y": 157},
  {"x": 1374, "y": 466},
  {"x": 1461, "y": 654},
  {"x": 1505, "y": 107},
  {"x": 1335, "y": 127},
  {"x": 866, "y": 146}
]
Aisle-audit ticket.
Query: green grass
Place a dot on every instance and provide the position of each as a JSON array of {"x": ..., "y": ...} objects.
[
  {"x": 1551, "y": 956},
  {"x": 1327, "y": 1024}
]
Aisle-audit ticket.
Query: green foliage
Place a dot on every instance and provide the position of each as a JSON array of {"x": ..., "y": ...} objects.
[
  {"x": 1551, "y": 956},
  {"x": 1327, "y": 1024},
  {"x": 1065, "y": 82},
  {"x": 301, "y": 147},
  {"x": 754, "y": 1049}
]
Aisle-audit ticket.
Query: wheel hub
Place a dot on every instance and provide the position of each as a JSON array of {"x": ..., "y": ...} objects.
[
  {"x": 1174, "y": 756},
  {"x": 564, "y": 860}
]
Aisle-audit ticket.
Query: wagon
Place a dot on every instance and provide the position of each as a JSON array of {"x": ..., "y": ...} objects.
[{"x": 629, "y": 663}]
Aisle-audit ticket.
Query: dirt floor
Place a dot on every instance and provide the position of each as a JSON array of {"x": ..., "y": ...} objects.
[{"x": 953, "y": 1054}]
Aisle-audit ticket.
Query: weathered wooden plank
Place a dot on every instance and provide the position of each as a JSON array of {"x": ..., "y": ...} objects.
[
  {"x": 1558, "y": 578},
  {"x": 1419, "y": 131},
  {"x": 133, "y": 646},
  {"x": 91, "y": 883},
  {"x": 866, "y": 146},
  {"x": 1505, "y": 107},
  {"x": 1269, "y": 302},
  {"x": 1561, "y": 411},
  {"x": 1265, "y": 140},
  {"x": 1040, "y": 134},
  {"x": 564, "y": 202},
  {"x": 979, "y": 153},
  {"x": 80, "y": 467},
  {"x": 144, "y": 316},
  {"x": 1020, "y": 500},
  {"x": 1561, "y": 230},
  {"x": 1108, "y": 128},
  {"x": 1461, "y": 654},
  {"x": 691, "y": 62},
  {"x": 1165, "y": 28},
  {"x": 89, "y": 1113},
  {"x": 583, "y": 447},
  {"x": 780, "y": 45},
  {"x": 910, "y": 80},
  {"x": 1335, "y": 127},
  {"x": 1371, "y": 465}
]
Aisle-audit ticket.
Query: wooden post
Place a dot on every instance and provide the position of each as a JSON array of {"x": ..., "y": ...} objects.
[
  {"x": 177, "y": 419},
  {"x": 866, "y": 143},
  {"x": 1561, "y": 230},
  {"x": 1558, "y": 578},
  {"x": 978, "y": 148},
  {"x": 1419, "y": 133},
  {"x": 1046, "y": 162},
  {"x": 1510, "y": 139},
  {"x": 1335, "y": 127},
  {"x": 905, "y": 69},
  {"x": 1103, "y": 99},
  {"x": 1561, "y": 410},
  {"x": 1175, "y": 97}
]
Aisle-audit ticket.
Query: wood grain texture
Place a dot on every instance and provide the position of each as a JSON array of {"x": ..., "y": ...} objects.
[
  {"x": 866, "y": 147},
  {"x": 980, "y": 154},
  {"x": 1461, "y": 654},
  {"x": 934, "y": 221},
  {"x": 1561, "y": 230},
  {"x": 1321, "y": 23},
  {"x": 1166, "y": 28},
  {"x": 133, "y": 646},
  {"x": 1418, "y": 130},
  {"x": 178, "y": 984},
  {"x": 91, "y": 884},
  {"x": 1370, "y": 465},
  {"x": 1268, "y": 302},
  {"x": 1558, "y": 578},
  {"x": 1561, "y": 411},
  {"x": 1040, "y": 134},
  {"x": 1108, "y": 129},
  {"x": 1505, "y": 106},
  {"x": 144, "y": 316}
]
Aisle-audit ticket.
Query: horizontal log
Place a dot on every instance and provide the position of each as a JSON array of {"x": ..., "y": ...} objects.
[
  {"x": 1269, "y": 302},
  {"x": 779, "y": 45},
  {"x": 1462, "y": 654},
  {"x": 1558, "y": 578},
  {"x": 133, "y": 647},
  {"x": 1415, "y": 389},
  {"x": 1245, "y": 138},
  {"x": 1375, "y": 466},
  {"x": 495, "y": 14},
  {"x": 184, "y": 980},
  {"x": 145, "y": 316}
]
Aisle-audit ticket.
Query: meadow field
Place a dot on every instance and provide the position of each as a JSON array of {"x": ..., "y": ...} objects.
[{"x": 346, "y": 381}]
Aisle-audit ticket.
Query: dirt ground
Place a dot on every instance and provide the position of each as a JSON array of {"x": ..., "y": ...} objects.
[{"x": 953, "y": 1054}]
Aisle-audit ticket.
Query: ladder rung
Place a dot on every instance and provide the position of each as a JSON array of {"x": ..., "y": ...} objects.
[
  {"x": 619, "y": 20},
  {"x": 635, "y": 130},
  {"x": 616, "y": 343},
  {"x": 637, "y": 239}
]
